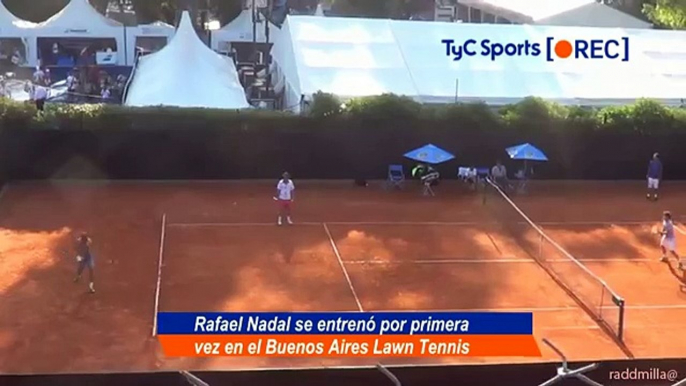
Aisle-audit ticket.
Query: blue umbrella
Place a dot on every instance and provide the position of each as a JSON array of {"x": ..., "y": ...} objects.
[
  {"x": 429, "y": 154},
  {"x": 527, "y": 152}
]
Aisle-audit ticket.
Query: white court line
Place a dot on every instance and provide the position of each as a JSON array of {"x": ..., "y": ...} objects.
[
  {"x": 404, "y": 223},
  {"x": 567, "y": 328},
  {"x": 679, "y": 229},
  {"x": 546, "y": 309},
  {"x": 159, "y": 275},
  {"x": 238, "y": 224},
  {"x": 496, "y": 261},
  {"x": 345, "y": 271}
]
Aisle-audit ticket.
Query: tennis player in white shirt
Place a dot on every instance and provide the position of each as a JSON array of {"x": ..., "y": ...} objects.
[
  {"x": 284, "y": 196},
  {"x": 668, "y": 240}
]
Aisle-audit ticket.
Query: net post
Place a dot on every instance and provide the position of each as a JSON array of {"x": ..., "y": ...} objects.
[{"x": 621, "y": 304}]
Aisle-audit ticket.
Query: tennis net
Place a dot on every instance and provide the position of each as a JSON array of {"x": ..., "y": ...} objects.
[{"x": 596, "y": 297}]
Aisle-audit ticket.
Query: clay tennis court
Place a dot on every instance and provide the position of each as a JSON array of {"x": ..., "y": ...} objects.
[{"x": 352, "y": 249}]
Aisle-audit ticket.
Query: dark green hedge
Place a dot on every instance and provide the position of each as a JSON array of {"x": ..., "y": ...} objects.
[
  {"x": 355, "y": 139},
  {"x": 531, "y": 114}
]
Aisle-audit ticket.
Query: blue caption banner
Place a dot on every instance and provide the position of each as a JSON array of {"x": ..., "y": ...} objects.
[{"x": 355, "y": 323}]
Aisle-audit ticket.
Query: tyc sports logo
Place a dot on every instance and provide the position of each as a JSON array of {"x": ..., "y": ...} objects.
[{"x": 552, "y": 49}]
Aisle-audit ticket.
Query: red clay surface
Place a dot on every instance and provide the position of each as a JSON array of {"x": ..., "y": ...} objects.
[
  {"x": 49, "y": 324},
  {"x": 613, "y": 234}
]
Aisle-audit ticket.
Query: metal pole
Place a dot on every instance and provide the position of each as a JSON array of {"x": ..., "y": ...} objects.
[
  {"x": 457, "y": 87},
  {"x": 268, "y": 61},
  {"x": 254, "y": 30},
  {"x": 387, "y": 373},
  {"x": 192, "y": 379}
]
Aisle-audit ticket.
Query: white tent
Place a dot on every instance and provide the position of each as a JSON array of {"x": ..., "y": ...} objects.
[
  {"x": 240, "y": 29},
  {"x": 186, "y": 73},
  {"x": 80, "y": 20},
  {"x": 359, "y": 57},
  {"x": 348, "y": 57},
  {"x": 572, "y": 13},
  {"x": 13, "y": 27},
  {"x": 154, "y": 30}
]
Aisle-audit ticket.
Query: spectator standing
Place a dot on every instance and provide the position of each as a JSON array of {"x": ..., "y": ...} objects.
[
  {"x": 71, "y": 85},
  {"x": 47, "y": 79},
  {"x": 499, "y": 174},
  {"x": 38, "y": 76},
  {"x": 17, "y": 58},
  {"x": 40, "y": 94}
]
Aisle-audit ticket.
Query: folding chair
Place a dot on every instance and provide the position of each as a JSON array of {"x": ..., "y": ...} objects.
[
  {"x": 427, "y": 181},
  {"x": 467, "y": 174},
  {"x": 396, "y": 177},
  {"x": 463, "y": 173}
]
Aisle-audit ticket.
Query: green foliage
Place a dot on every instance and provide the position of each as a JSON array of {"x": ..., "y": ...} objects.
[
  {"x": 324, "y": 105},
  {"x": 384, "y": 106},
  {"x": 467, "y": 116},
  {"x": 644, "y": 116},
  {"x": 531, "y": 114},
  {"x": 669, "y": 14},
  {"x": 534, "y": 114}
]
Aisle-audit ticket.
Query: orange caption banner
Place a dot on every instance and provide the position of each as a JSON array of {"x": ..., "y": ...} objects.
[{"x": 303, "y": 346}]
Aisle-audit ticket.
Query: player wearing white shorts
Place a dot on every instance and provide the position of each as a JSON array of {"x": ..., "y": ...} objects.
[
  {"x": 654, "y": 177},
  {"x": 284, "y": 197},
  {"x": 668, "y": 240}
]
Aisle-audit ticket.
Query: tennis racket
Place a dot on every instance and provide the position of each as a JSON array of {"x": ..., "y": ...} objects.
[{"x": 655, "y": 230}]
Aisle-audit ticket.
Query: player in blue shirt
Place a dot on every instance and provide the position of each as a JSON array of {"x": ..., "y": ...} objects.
[
  {"x": 84, "y": 257},
  {"x": 654, "y": 176}
]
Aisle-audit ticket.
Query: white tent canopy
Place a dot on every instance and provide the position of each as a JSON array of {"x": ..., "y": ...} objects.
[
  {"x": 240, "y": 29},
  {"x": 344, "y": 56},
  {"x": 80, "y": 20},
  {"x": 186, "y": 73},
  {"x": 13, "y": 27},
  {"x": 157, "y": 29},
  {"x": 572, "y": 13},
  {"x": 359, "y": 57}
]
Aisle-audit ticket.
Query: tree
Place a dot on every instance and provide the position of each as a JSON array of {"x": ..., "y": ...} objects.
[
  {"x": 632, "y": 7},
  {"x": 35, "y": 10},
  {"x": 667, "y": 13},
  {"x": 149, "y": 11},
  {"x": 100, "y": 5},
  {"x": 380, "y": 8},
  {"x": 226, "y": 10}
]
